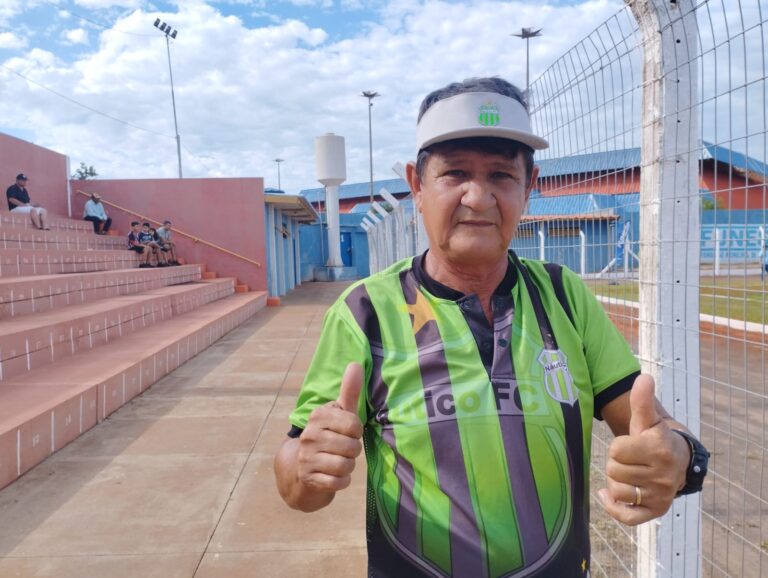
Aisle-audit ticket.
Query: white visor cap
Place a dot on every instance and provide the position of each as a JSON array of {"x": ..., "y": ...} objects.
[{"x": 472, "y": 114}]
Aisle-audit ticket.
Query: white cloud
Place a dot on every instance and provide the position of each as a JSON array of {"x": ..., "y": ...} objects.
[
  {"x": 102, "y": 4},
  {"x": 12, "y": 41},
  {"x": 75, "y": 36},
  {"x": 10, "y": 8},
  {"x": 248, "y": 95}
]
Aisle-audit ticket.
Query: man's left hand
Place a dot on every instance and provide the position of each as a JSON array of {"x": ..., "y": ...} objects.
[{"x": 646, "y": 468}]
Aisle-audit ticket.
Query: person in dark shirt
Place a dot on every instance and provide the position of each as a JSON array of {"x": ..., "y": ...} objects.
[
  {"x": 135, "y": 244},
  {"x": 19, "y": 202},
  {"x": 147, "y": 239}
]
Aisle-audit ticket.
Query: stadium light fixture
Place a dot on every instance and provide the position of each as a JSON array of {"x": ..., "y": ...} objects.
[
  {"x": 526, "y": 34},
  {"x": 169, "y": 33},
  {"x": 370, "y": 95}
]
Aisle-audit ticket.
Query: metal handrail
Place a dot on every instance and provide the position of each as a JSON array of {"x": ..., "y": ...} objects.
[{"x": 180, "y": 232}]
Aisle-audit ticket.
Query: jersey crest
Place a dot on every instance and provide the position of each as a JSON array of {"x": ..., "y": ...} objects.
[{"x": 557, "y": 377}]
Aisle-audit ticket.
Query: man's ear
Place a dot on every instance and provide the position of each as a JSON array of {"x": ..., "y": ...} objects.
[
  {"x": 414, "y": 182},
  {"x": 532, "y": 184}
]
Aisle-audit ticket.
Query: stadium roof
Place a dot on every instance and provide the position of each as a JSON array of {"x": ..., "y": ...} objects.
[
  {"x": 294, "y": 205},
  {"x": 358, "y": 190},
  {"x": 736, "y": 159},
  {"x": 624, "y": 159},
  {"x": 590, "y": 163},
  {"x": 588, "y": 204},
  {"x": 617, "y": 160}
]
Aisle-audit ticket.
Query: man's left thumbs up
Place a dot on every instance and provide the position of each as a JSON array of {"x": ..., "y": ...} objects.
[
  {"x": 642, "y": 404},
  {"x": 646, "y": 468}
]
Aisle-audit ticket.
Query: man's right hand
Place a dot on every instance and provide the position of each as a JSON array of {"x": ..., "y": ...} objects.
[{"x": 330, "y": 442}]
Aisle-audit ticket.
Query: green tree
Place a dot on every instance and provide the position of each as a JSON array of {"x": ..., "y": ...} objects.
[{"x": 85, "y": 172}]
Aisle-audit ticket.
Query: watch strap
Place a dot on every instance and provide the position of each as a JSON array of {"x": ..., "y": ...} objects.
[{"x": 697, "y": 466}]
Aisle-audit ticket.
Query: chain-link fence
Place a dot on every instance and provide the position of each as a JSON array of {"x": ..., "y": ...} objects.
[{"x": 654, "y": 189}]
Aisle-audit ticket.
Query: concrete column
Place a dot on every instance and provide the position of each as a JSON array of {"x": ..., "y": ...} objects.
[
  {"x": 291, "y": 266},
  {"x": 272, "y": 252},
  {"x": 334, "y": 234},
  {"x": 669, "y": 262},
  {"x": 280, "y": 252},
  {"x": 297, "y": 254}
]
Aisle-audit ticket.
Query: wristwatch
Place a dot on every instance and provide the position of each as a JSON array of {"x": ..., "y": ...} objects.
[{"x": 697, "y": 467}]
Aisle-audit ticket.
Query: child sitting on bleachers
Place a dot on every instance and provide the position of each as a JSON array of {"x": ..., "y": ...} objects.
[
  {"x": 158, "y": 240},
  {"x": 135, "y": 244},
  {"x": 147, "y": 238}
]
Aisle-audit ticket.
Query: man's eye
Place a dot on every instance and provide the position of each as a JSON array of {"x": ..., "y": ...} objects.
[
  {"x": 455, "y": 173},
  {"x": 502, "y": 175}
]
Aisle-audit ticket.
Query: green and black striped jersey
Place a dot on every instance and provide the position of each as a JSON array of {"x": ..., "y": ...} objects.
[{"x": 477, "y": 435}]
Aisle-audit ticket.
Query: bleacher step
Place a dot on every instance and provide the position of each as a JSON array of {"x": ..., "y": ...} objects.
[
  {"x": 31, "y": 342},
  {"x": 43, "y": 410},
  {"x": 41, "y": 293},
  {"x": 22, "y": 262},
  {"x": 56, "y": 223},
  {"x": 15, "y": 238}
]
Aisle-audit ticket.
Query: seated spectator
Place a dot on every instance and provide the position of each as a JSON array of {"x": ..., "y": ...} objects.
[
  {"x": 164, "y": 233},
  {"x": 95, "y": 213},
  {"x": 19, "y": 202},
  {"x": 135, "y": 244},
  {"x": 148, "y": 239}
]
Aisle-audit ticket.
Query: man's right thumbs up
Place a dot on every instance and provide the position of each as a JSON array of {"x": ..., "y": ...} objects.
[
  {"x": 330, "y": 442},
  {"x": 351, "y": 385}
]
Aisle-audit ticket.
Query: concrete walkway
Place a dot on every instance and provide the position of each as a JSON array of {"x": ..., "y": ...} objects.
[{"x": 179, "y": 482}]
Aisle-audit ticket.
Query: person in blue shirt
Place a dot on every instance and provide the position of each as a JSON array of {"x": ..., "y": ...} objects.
[
  {"x": 147, "y": 238},
  {"x": 95, "y": 213}
]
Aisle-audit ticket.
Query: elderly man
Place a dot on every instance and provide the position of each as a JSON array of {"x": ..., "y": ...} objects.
[
  {"x": 19, "y": 202},
  {"x": 95, "y": 213},
  {"x": 473, "y": 378}
]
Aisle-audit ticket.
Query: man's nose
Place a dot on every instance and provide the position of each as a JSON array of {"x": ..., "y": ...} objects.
[{"x": 478, "y": 195}]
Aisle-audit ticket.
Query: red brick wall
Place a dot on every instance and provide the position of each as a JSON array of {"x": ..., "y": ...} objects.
[
  {"x": 733, "y": 190},
  {"x": 226, "y": 212},
  {"x": 46, "y": 169}
]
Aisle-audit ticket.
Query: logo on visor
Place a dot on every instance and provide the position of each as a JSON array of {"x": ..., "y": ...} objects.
[
  {"x": 488, "y": 115},
  {"x": 557, "y": 377}
]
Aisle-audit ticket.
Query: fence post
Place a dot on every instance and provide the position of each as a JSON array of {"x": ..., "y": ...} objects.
[
  {"x": 582, "y": 253},
  {"x": 541, "y": 245},
  {"x": 669, "y": 286}
]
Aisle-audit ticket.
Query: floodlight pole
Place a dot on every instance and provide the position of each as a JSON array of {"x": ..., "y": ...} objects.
[
  {"x": 370, "y": 95},
  {"x": 278, "y": 161},
  {"x": 526, "y": 34},
  {"x": 171, "y": 33}
]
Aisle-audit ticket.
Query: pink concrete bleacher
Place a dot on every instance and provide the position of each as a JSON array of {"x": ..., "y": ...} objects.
[{"x": 83, "y": 330}]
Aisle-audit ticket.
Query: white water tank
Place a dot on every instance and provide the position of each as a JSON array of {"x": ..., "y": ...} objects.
[{"x": 330, "y": 159}]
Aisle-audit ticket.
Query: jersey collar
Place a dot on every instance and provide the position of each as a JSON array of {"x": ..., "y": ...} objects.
[{"x": 444, "y": 292}]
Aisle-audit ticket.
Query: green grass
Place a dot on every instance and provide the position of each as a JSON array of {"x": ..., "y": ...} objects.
[{"x": 736, "y": 297}]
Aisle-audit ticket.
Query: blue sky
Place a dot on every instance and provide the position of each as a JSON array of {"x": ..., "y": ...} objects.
[{"x": 255, "y": 80}]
